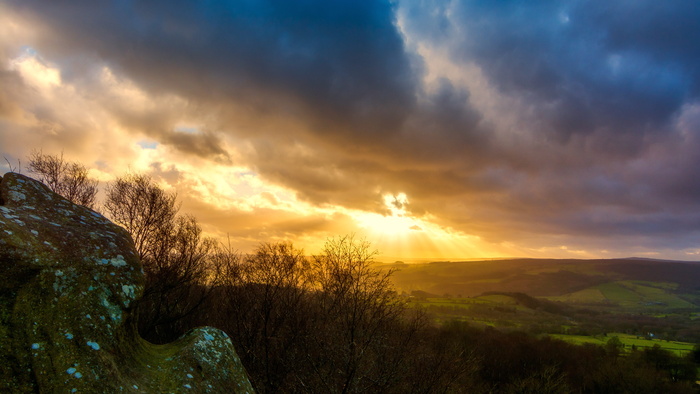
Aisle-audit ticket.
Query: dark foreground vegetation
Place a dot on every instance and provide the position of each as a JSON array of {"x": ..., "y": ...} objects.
[{"x": 333, "y": 322}]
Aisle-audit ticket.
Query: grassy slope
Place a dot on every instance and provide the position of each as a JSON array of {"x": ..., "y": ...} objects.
[
  {"x": 628, "y": 294},
  {"x": 679, "y": 348},
  {"x": 650, "y": 293},
  {"x": 505, "y": 311},
  {"x": 626, "y": 282}
]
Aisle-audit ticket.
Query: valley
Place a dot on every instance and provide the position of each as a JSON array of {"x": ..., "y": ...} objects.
[{"x": 642, "y": 302}]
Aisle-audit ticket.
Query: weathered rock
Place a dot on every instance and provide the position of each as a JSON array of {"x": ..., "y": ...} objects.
[{"x": 69, "y": 279}]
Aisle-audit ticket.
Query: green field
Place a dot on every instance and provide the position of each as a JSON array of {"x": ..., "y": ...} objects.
[
  {"x": 628, "y": 341},
  {"x": 634, "y": 293},
  {"x": 494, "y": 310},
  {"x": 591, "y": 295},
  {"x": 582, "y": 298}
]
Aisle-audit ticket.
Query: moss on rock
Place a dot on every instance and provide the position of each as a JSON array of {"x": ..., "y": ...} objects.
[{"x": 71, "y": 279}]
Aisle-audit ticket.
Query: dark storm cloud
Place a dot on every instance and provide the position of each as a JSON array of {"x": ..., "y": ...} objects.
[
  {"x": 340, "y": 67},
  {"x": 605, "y": 136},
  {"x": 580, "y": 62},
  {"x": 342, "y": 59},
  {"x": 607, "y": 84},
  {"x": 666, "y": 35}
]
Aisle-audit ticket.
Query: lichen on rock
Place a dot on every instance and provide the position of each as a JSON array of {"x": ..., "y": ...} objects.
[{"x": 71, "y": 279}]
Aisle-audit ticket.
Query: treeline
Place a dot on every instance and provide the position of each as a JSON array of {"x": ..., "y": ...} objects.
[{"x": 332, "y": 322}]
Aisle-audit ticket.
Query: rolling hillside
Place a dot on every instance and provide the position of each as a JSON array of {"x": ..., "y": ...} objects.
[
  {"x": 626, "y": 281},
  {"x": 582, "y": 297}
]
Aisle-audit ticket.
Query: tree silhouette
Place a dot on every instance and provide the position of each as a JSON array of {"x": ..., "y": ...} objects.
[{"x": 69, "y": 179}]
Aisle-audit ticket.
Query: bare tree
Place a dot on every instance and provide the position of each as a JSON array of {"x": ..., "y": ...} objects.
[
  {"x": 269, "y": 303},
  {"x": 146, "y": 211},
  {"x": 69, "y": 179},
  {"x": 178, "y": 282},
  {"x": 331, "y": 323},
  {"x": 17, "y": 169},
  {"x": 363, "y": 310},
  {"x": 174, "y": 254}
]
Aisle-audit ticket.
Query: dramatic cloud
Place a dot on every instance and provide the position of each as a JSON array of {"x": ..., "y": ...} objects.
[{"x": 453, "y": 129}]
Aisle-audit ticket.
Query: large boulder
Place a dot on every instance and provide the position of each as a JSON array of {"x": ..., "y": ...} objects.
[{"x": 69, "y": 280}]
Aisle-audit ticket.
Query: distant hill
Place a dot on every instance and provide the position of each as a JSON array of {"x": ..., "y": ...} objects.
[{"x": 545, "y": 277}]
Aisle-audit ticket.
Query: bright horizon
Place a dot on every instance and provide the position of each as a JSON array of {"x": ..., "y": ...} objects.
[{"x": 436, "y": 132}]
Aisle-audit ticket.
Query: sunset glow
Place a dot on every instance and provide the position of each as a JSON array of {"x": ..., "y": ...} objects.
[{"x": 443, "y": 131}]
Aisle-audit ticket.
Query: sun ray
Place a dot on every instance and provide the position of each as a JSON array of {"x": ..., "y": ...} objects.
[{"x": 398, "y": 233}]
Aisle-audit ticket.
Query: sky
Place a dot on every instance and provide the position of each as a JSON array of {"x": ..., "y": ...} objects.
[{"x": 435, "y": 129}]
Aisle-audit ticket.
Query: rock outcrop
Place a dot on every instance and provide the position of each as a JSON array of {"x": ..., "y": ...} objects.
[{"x": 69, "y": 280}]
